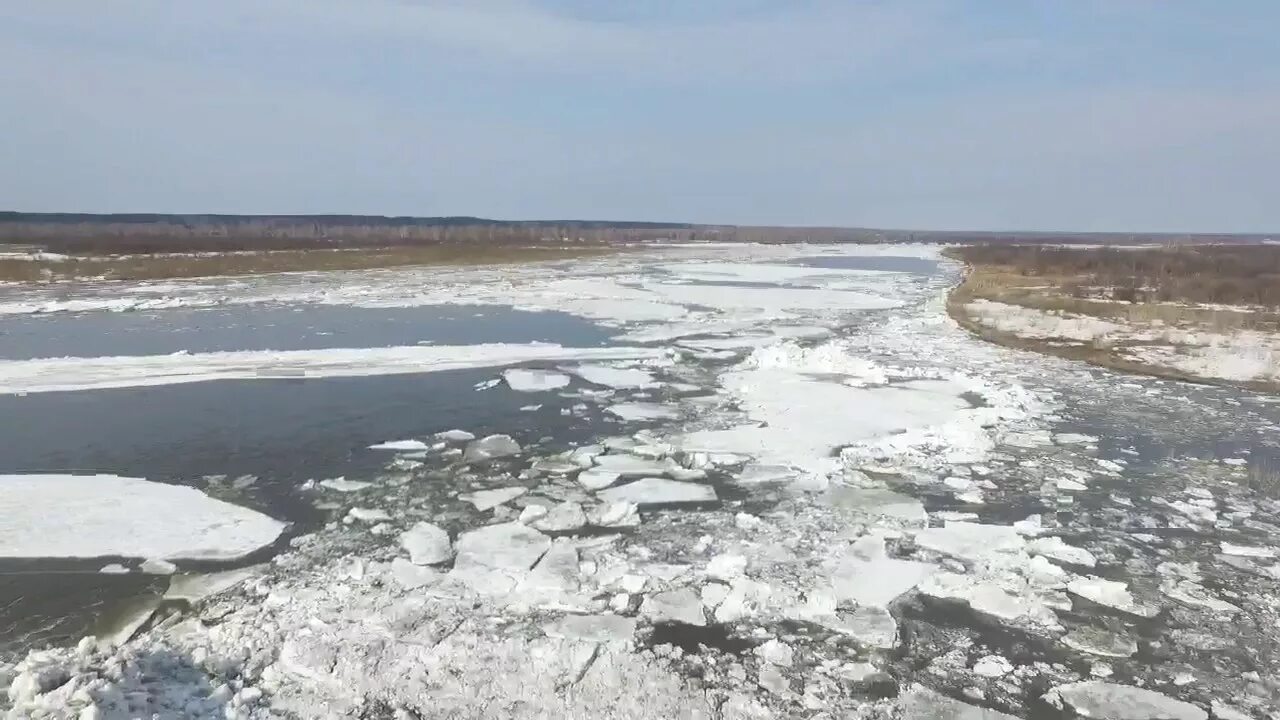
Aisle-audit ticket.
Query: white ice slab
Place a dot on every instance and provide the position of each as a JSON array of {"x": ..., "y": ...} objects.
[
  {"x": 642, "y": 411},
  {"x": 658, "y": 491},
  {"x": 525, "y": 380},
  {"x": 617, "y": 378},
  {"x": 86, "y": 516},
  {"x": 401, "y": 445},
  {"x": 88, "y": 373}
]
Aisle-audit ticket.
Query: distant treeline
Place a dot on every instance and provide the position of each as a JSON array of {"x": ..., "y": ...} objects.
[
  {"x": 1227, "y": 274},
  {"x": 152, "y": 233}
]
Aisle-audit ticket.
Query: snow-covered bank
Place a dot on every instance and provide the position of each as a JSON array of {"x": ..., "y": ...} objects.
[
  {"x": 88, "y": 516},
  {"x": 65, "y": 374},
  {"x": 1237, "y": 356}
]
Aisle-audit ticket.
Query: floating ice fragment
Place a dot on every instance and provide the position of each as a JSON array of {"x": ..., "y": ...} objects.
[
  {"x": 969, "y": 541},
  {"x": 993, "y": 666},
  {"x": 194, "y": 587},
  {"x": 400, "y": 445},
  {"x": 681, "y": 605},
  {"x": 642, "y": 411},
  {"x": 776, "y": 652},
  {"x": 524, "y": 380},
  {"x": 1247, "y": 551},
  {"x": 1074, "y": 439},
  {"x": 411, "y": 576},
  {"x": 564, "y": 517},
  {"x": 1100, "y": 642},
  {"x": 488, "y": 499},
  {"x": 615, "y": 514},
  {"x": 629, "y": 466},
  {"x": 1056, "y": 549},
  {"x": 592, "y": 628},
  {"x": 1112, "y": 594},
  {"x": 597, "y": 479},
  {"x": 617, "y": 378},
  {"x": 427, "y": 544},
  {"x": 659, "y": 491},
  {"x": 372, "y": 515},
  {"x": 921, "y": 703},
  {"x": 344, "y": 485},
  {"x": 156, "y": 566},
  {"x": 456, "y": 435},
  {"x": 1098, "y": 699},
  {"x": 508, "y": 546},
  {"x": 1223, "y": 711},
  {"x": 113, "y": 569},
  {"x": 489, "y": 448},
  {"x": 872, "y": 579}
]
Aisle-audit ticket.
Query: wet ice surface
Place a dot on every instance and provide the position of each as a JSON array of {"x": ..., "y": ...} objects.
[{"x": 894, "y": 520}]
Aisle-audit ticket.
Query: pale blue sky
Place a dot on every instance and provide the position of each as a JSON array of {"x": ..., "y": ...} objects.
[{"x": 1070, "y": 114}]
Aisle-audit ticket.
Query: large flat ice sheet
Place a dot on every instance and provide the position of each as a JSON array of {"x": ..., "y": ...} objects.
[
  {"x": 59, "y": 374},
  {"x": 87, "y": 516}
]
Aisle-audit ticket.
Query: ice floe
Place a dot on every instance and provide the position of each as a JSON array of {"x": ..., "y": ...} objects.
[
  {"x": 490, "y": 447},
  {"x": 63, "y": 374},
  {"x": 87, "y": 516},
  {"x": 658, "y": 491},
  {"x": 524, "y": 380},
  {"x": 1098, "y": 699}
]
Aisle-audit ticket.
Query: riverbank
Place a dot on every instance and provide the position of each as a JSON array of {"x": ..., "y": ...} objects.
[
  {"x": 43, "y": 267},
  {"x": 1075, "y": 304}
]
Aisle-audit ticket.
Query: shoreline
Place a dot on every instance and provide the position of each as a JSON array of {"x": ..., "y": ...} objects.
[{"x": 1109, "y": 357}]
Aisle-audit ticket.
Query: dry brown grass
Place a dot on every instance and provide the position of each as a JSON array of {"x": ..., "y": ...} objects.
[{"x": 163, "y": 267}]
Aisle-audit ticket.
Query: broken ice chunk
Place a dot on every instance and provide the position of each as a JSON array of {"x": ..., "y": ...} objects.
[
  {"x": 427, "y": 544},
  {"x": 489, "y": 448},
  {"x": 1055, "y": 549},
  {"x": 659, "y": 491},
  {"x": 1112, "y": 594},
  {"x": 341, "y": 484},
  {"x": 157, "y": 566},
  {"x": 522, "y": 380},
  {"x": 681, "y": 605},
  {"x": 1247, "y": 551},
  {"x": 615, "y": 514},
  {"x": 617, "y": 378},
  {"x": 488, "y": 499},
  {"x": 776, "y": 652},
  {"x": 1100, "y": 642},
  {"x": 509, "y": 546},
  {"x": 1098, "y": 699},
  {"x": 455, "y": 435},
  {"x": 597, "y": 479},
  {"x": 642, "y": 411},
  {"x": 566, "y": 516},
  {"x": 367, "y": 515},
  {"x": 592, "y": 628},
  {"x": 400, "y": 445},
  {"x": 921, "y": 703}
]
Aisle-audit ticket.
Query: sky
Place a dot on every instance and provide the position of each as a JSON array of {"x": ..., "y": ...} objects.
[{"x": 1125, "y": 115}]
